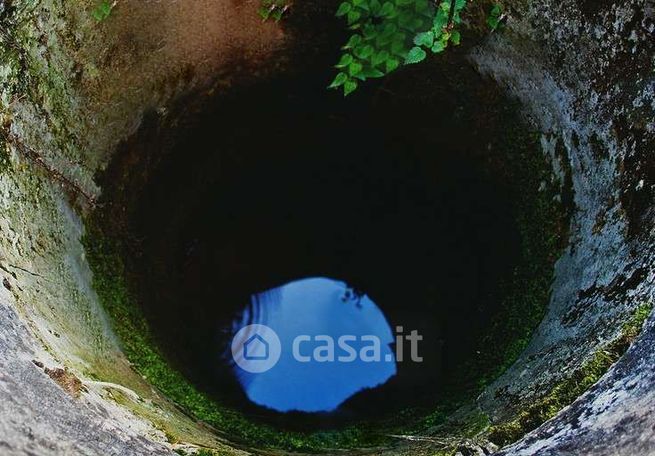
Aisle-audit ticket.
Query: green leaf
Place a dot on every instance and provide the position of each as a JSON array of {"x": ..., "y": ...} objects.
[
  {"x": 415, "y": 55},
  {"x": 380, "y": 58},
  {"x": 344, "y": 9},
  {"x": 375, "y": 6},
  {"x": 383, "y": 40},
  {"x": 418, "y": 23},
  {"x": 387, "y": 9},
  {"x": 493, "y": 20},
  {"x": 353, "y": 16},
  {"x": 424, "y": 39},
  {"x": 399, "y": 37},
  {"x": 349, "y": 87},
  {"x": 398, "y": 48},
  {"x": 422, "y": 6},
  {"x": 406, "y": 19},
  {"x": 391, "y": 65},
  {"x": 277, "y": 14},
  {"x": 364, "y": 52},
  {"x": 353, "y": 42},
  {"x": 372, "y": 73},
  {"x": 338, "y": 81},
  {"x": 438, "y": 47},
  {"x": 456, "y": 37},
  {"x": 369, "y": 31},
  {"x": 264, "y": 13},
  {"x": 363, "y": 5},
  {"x": 346, "y": 60},
  {"x": 389, "y": 29},
  {"x": 440, "y": 21},
  {"x": 355, "y": 68}
]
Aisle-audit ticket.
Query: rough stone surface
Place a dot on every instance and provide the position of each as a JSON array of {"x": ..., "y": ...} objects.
[
  {"x": 614, "y": 418},
  {"x": 39, "y": 417},
  {"x": 70, "y": 90},
  {"x": 584, "y": 73}
]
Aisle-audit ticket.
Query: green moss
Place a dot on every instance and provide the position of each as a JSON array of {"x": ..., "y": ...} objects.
[
  {"x": 205, "y": 452},
  {"x": 139, "y": 347},
  {"x": 5, "y": 164},
  {"x": 202, "y": 452},
  {"x": 37, "y": 67},
  {"x": 12, "y": 81},
  {"x": 632, "y": 328},
  {"x": 574, "y": 386}
]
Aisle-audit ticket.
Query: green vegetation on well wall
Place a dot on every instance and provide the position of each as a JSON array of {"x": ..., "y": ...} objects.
[
  {"x": 273, "y": 9},
  {"x": 4, "y": 155},
  {"x": 110, "y": 283},
  {"x": 103, "y": 10},
  {"x": 567, "y": 391},
  {"x": 33, "y": 74}
]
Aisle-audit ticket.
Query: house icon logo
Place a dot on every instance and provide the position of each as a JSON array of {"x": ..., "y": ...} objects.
[{"x": 256, "y": 348}]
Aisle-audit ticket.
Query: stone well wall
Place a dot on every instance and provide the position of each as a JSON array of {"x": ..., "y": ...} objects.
[{"x": 71, "y": 89}]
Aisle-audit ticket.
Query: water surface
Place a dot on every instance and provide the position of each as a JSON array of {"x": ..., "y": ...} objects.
[{"x": 317, "y": 307}]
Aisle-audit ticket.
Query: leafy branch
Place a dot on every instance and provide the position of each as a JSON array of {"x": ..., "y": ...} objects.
[{"x": 394, "y": 33}]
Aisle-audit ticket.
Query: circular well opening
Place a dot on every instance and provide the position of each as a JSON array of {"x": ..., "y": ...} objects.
[{"x": 411, "y": 194}]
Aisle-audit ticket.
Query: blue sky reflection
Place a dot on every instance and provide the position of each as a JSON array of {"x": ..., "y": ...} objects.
[{"x": 314, "y": 307}]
